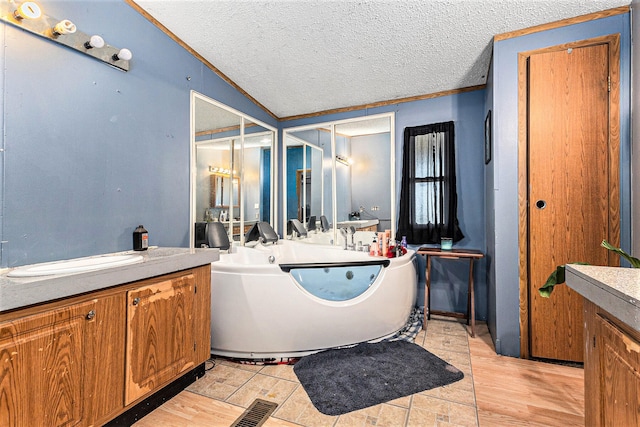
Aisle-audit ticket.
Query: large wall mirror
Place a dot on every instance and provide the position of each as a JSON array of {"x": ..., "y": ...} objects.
[
  {"x": 232, "y": 169},
  {"x": 344, "y": 171}
]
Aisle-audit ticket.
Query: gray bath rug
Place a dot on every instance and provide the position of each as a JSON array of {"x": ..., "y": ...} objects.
[{"x": 347, "y": 379}]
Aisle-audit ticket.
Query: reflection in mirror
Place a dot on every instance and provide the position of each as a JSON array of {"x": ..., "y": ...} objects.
[
  {"x": 359, "y": 155},
  {"x": 256, "y": 186},
  {"x": 304, "y": 160},
  {"x": 363, "y": 150},
  {"x": 220, "y": 189},
  {"x": 232, "y": 169}
]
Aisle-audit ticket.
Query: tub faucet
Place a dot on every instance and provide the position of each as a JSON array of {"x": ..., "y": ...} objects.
[
  {"x": 343, "y": 231},
  {"x": 350, "y": 231}
]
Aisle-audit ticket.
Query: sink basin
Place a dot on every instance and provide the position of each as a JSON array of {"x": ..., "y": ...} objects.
[{"x": 77, "y": 265}]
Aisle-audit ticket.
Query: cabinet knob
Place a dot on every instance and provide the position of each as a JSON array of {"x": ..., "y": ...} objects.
[
  {"x": 136, "y": 301},
  {"x": 91, "y": 314}
]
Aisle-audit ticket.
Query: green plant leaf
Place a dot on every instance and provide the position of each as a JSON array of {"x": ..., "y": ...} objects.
[
  {"x": 557, "y": 277},
  {"x": 635, "y": 262}
]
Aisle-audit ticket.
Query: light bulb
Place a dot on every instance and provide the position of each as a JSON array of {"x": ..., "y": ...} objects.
[
  {"x": 94, "y": 41},
  {"x": 29, "y": 10},
  {"x": 64, "y": 27},
  {"x": 124, "y": 54}
]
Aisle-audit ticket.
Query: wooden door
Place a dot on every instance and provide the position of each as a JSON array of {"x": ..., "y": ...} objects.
[
  {"x": 568, "y": 166},
  {"x": 160, "y": 334},
  {"x": 42, "y": 368}
]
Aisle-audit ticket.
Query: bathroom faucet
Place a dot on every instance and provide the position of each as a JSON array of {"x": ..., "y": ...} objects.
[
  {"x": 343, "y": 231},
  {"x": 350, "y": 231}
]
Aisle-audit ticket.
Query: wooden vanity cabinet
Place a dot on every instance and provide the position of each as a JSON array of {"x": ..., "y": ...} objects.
[
  {"x": 58, "y": 367},
  {"x": 612, "y": 370},
  {"x": 85, "y": 360}
]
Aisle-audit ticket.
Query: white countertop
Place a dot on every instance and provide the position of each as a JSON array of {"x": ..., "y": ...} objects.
[
  {"x": 22, "y": 292},
  {"x": 615, "y": 289},
  {"x": 358, "y": 223}
]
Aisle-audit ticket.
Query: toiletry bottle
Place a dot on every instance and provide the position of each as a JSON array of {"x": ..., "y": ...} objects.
[
  {"x": 404, "y": 242},
  {"x": 140, "y": 239},
  {"x": 384, "y": 247},
  {"x": 373, "y": 250}
]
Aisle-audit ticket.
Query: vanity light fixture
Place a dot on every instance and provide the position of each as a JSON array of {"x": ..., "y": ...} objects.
[
  {"x": 347, "y": 161},
  {"x": 95, "y": 41},
  {"x": 63, "y": 27},
  {"x": 27, "y": 10},
  {"x": 28, "y": 16},
  {"x": 123, "y": 54},
  {"x": 223, "y": 171}
]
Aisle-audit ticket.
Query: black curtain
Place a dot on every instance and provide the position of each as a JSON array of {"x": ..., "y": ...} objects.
[{"x": 446, "y": 219}]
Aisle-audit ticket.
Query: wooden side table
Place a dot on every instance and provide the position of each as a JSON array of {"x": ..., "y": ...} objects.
[{"x": 471, "y": 255}]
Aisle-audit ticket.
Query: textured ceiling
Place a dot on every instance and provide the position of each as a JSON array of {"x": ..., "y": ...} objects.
[{"x": 299, "y": 57}]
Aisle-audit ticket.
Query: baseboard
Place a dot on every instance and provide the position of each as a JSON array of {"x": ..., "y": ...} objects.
[{"x": 152, "y": 402}]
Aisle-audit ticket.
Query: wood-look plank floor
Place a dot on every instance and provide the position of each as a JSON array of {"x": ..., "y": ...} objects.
[
  {"x": 517, "y": 392},
  {"x": 496, "y": 391}
]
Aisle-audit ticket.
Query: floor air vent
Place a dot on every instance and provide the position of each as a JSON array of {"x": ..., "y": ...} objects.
[{"x": 256, "y": 414}]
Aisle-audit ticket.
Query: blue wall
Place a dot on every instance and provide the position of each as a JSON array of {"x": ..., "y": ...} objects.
[
  {"x": 502, "y": 176},
  {"x": 90, "y": 152},
  {"x": 489, "y": 212}
]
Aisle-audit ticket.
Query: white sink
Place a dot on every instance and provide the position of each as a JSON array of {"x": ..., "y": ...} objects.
[{"x": 77, "y": 265}]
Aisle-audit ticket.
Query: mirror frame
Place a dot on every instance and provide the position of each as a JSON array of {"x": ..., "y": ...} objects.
[
  {"x": 332, "y": 126},
  {"x": 244, "y": 118}
]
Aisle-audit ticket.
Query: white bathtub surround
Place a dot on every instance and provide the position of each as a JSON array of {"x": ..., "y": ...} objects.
[
  {"x": 327, "y": 238},
  {"x": 260, "y": 311}
]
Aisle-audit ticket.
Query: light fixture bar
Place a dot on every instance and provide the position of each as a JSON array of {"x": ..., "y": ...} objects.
[
  {"x": 63, "y": 32},
  {"x": 344, "y": 160}
]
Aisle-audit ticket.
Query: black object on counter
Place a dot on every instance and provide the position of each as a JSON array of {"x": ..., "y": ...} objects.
[{"x": 140, "y": 239}]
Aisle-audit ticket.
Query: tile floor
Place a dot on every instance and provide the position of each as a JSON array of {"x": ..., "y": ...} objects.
[{"x": 452, "y": 405}]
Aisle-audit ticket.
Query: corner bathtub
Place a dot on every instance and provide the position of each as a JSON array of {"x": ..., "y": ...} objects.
[{"x": 294, "y": 299}]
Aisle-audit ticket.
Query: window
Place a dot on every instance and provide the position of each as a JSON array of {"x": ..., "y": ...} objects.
[{"x": 428, "y": 199}]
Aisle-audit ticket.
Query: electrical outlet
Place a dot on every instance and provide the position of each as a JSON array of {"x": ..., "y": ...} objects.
[
  {"x": 256, "y": 206},
  {"x": 257, "y": 215}
]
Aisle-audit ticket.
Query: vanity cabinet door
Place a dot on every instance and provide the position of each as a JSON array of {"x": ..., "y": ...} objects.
[
  {"x": 103, "y": 352},
  {"x": 43, "y": 367},
  {"x": 619, "y": 355},
  {"x": 160, "y": 334}
]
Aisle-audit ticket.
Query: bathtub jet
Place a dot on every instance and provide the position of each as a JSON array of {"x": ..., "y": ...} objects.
[{"x": 292, "y": 299}]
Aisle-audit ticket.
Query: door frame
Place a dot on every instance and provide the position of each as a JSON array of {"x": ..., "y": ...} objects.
[
  {"x": 302, "y": 196},
  {"x": 613, "y": 41}
]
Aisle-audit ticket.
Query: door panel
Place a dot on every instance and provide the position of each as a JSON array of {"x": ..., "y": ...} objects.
[
  {"x": 160, "y": 336},
  {"x": 568, "y": 187},
  {"x": 42, "y": 366}
]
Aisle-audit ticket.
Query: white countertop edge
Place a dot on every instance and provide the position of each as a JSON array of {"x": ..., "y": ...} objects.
[
  {"x": 21, "y": 292},
  {"x": 614, "y": 289}
]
